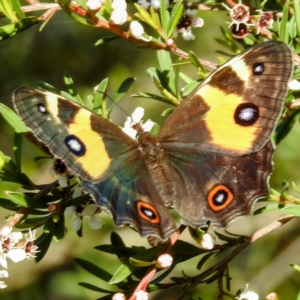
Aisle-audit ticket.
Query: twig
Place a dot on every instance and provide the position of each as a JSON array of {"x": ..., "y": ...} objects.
[{"x": 194, "y": 281}]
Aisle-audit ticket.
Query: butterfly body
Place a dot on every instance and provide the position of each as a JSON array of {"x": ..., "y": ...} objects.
[{"x": 211, "y": 160}]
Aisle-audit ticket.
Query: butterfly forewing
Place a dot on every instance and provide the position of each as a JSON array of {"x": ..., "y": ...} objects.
[
  {"x": 85, "y": 141},
  {"x": 236, "y": 109}
]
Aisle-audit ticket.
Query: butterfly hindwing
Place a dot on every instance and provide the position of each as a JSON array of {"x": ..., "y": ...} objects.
[{"x": 132, "y": 198}]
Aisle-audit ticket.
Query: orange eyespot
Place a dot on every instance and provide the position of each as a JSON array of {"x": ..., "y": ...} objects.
[
  {"x": 147, "y": 212},
  {"x": 219, "y": 197}
]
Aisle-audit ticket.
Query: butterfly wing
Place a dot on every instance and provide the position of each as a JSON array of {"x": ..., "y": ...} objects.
[
  {"x": 107, "y": 160},
  {"x": 235, "y": 110},
  {"x": 216, "y": 144},
  {"x": 213, "y": 186},
  {"x": 132, "y": 198},
  {"x": 86, "y": 142}
]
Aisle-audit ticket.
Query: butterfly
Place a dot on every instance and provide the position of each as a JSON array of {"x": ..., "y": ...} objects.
[{"x": 211, "y": 159}]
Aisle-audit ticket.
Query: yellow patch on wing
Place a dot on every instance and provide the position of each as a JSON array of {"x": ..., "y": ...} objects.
[
  {"x": 220, "y": 120},
  {"x": 96, "y": 160}
]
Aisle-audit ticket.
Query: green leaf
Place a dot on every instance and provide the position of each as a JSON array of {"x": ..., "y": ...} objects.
[
  {"x": 7, "y": 31},
  {"x": 143, "y": 15},
  {"x": 95, "y": 288},
  {"x": 297, "y": 15},
  {"x": 7, "y": 9},
  {"x": 71, "y": 88},
  {"x": 48, "y": 87},
  {"x": 285, "y": 126},
  {"x": 167, "y": 77},
  {"x": 151, "y": 96},
  {"x": 13, "y": 119},
  {"x": 123, "y": 89},
  {"x": 44, "y": 240},
  {"x": 100, "y": 98},
  {"x": 18, "y": 9},
  {"x": 106, "y": 40},
  {"x": 8, "y": 204},
  {"x": 284, "y": 25},
  {"x": 140, "y": 263},
  {"x": 121, "y": 274},
  {"x": 204, "y": 259},
  {"x": 190, "y": 87},
  {"x": 176, "y": 15},
  {"x": 25, "y": 200},
  {"x": 78, "y": 200},
  {"x": 116, "y": 240},
  {"x": 164, "y": 15},
  {"x": 59, "y": 227},
  {"x": 9, "y": 172},
  {"x": 292, "y": 209},
  {"x": 17, "y": 148},
  {"x": 93, "y": 269},
  {"x": 167, "y": 112}
]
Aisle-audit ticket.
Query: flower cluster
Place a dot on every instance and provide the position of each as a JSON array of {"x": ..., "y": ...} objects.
[
  {"x": 13, "y": 247},
  {"x": 240, "y": 20},
  {"x": 130, "y": 127},
  {"x": 187, "y": 22},
  {"x": 90, "y": 209},
  {"x": 246, "y": 294}
]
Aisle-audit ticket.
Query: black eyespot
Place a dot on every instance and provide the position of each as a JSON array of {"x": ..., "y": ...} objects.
[
  {"x": 147, "y": 212},
  {"x": 219, "y": 197},
  {"x": 42, "y": 109},
  {"x": 258, "y": 69},
  {"x": 246, "y": 114},
  {"x": 75, "y": 145}
]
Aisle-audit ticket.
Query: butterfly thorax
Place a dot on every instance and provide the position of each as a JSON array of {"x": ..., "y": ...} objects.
[{"x": 149, "y": 146}]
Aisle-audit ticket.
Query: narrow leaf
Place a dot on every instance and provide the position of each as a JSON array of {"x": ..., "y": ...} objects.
[
  {"x": 13, "y": 119},
  {"x": 93, "y": 269}
]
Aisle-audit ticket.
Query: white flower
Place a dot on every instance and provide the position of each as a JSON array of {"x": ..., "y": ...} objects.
[
  {"x": 3, "y": 262},
  {"x": 2, "y": 285},
  {"x": 247, "y": 294},
  {"x": 137, "y": 30},
  {"x": 135, "y": 119},
  {"x": 188, "y": 35},
  {"x": 95, "y": 222},
  {"x": 207, "y": 241},
  {"x": 164, "y": 261},
  {"x": 239, "y": 14},
  {"x": 144, "y": 3},
  {"x": 15, "y": 237},
  {"x": 5, "y": 231},
  {"x": 70, "y": 210},
  {"x": 141, "y": 295},
  {"x": 16, "y": 255},
  {"x": 119, "y": 296},
  {"x": 294, "y": 85},
  {"x": 94, "y": 4},
  {"x": 119, "y": 13},
  {"x": 119, "y": 5},
  {"x": 156, "y": 3},
  {"x": 186, "y": 23},
  {"x": 3, "y": 274},
  {"x": 63, "y": 181},
  {"x": 147, "y": 126},
  {"x": 76, "y": 224}
]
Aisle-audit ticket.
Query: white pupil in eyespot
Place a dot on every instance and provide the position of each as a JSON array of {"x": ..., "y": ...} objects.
[
  {"x": 247, "y": 114},
  {"x": 74, "y": 145}
]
